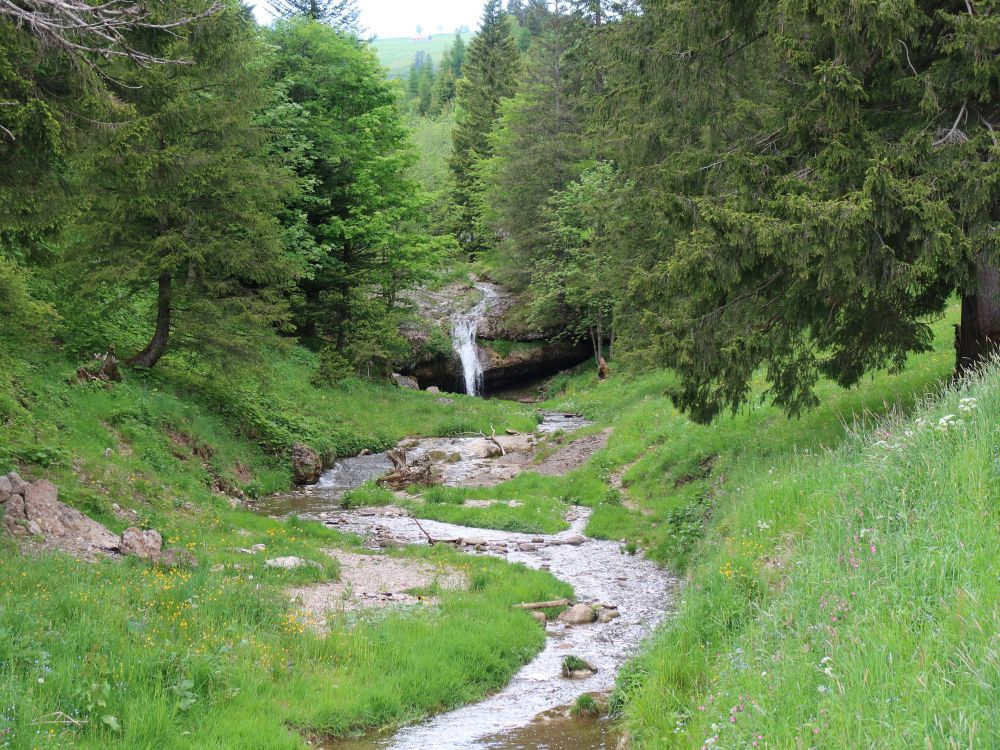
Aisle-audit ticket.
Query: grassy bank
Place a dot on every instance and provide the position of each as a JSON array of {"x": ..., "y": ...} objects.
[
  {"x": 124, "y": 654},
  {"x": 843, "y": 600}
]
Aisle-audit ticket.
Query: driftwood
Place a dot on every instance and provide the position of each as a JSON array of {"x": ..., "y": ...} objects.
[
  {"x": 493, "y": 439},
  {"x": 404, "y": 474},
  {"x": 544, "y": 605}
]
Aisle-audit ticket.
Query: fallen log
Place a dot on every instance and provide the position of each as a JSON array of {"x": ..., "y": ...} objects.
[{"x": 544, "y": 605}]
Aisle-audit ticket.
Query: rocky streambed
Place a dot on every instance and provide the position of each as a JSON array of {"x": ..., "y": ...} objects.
[{"x": 631, "y": 594}]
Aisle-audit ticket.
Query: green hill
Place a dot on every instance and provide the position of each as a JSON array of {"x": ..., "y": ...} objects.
[{"x": 397, "y": 54}]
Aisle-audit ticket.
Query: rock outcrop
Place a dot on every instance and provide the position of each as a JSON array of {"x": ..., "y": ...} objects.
[
  {"x": 511, "y": 350},
  {"x": 34, "y": 512},
  {"x": 306, "y": 464}
]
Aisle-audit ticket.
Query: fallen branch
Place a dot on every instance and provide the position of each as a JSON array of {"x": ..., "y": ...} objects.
[
  {"x": 544, "y": 605},
  {"x": 493, "y": 439},
  {"x": 430, "y": 540}
]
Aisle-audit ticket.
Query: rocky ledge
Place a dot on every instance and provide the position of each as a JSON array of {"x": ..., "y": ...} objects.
[
  {"x": 512, "y": 351},
  {"x": 33, "y": 512}
]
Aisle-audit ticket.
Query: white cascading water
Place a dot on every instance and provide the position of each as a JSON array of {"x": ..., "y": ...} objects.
[{"x": 463, "y": 340}]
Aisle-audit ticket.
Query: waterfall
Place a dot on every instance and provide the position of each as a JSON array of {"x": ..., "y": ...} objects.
[{"x": 463, "y": 340}]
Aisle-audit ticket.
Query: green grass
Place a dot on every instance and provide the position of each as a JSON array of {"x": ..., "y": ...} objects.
[
  {"x": 846, "y": 599},
  {"x": 217, "y": 656},
  {"x": 146, "y": 657},
  {"x": 397, "y": 54},
  {"x": 542, "y": 501}
]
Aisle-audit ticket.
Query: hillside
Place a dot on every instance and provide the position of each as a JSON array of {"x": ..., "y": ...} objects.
[{"x": 397, "y": 54}]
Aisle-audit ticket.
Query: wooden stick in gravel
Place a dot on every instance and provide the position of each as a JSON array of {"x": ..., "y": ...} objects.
[
  {"x": 544, "y": 605},
  {"x": 430, "y": 540},
  {"x": 493, "y": 439}
]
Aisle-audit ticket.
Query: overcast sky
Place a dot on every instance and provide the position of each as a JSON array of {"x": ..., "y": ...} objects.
[{"x": 392, "y": 18}]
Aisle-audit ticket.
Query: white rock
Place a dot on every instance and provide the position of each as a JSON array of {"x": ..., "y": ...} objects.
[{"x": 289, "y": 563}]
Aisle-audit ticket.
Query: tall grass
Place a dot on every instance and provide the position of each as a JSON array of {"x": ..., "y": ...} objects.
[{"x": 843, "y": 600}]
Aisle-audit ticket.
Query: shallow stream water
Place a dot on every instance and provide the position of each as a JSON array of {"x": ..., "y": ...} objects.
[{"x": 599, "y": 571}]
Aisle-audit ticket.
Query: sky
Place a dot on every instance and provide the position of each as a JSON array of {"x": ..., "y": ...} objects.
[{"x": 392, "y": 18}]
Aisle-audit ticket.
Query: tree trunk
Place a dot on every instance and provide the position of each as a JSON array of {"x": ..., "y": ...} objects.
[
  {"x": 149, "y": 356},
  {"x": 978, "y": 335}
]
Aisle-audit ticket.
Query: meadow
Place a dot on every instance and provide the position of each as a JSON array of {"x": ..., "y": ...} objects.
[
  {"x": 397, "y": 54},
  {"x": 121, "y": 653}
]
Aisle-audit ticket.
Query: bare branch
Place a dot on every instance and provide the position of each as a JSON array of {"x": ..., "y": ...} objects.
[
  {"x": 86, "y": 32},
  {"x": 954, "y": 135}
]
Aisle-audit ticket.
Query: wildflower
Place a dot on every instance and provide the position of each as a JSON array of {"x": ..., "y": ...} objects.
[
  {"x": 949, "y": 422},
  {"x": 968, "y": 405}
]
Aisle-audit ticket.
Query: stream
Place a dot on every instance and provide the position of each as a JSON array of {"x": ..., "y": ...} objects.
[{"x": 599, "y": 571}]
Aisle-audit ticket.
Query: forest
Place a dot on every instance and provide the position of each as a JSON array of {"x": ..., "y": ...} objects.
[{"x": 729, "y": 280}]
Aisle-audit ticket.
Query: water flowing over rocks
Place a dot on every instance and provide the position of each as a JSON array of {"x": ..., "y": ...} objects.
[
  {"x": 463, "y": 335},
  {"x": 619, "y": 598},
  {"x": 491, "y": 349}
]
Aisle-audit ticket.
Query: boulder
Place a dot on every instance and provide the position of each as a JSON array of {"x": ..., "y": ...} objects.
[
  {"x": 290, "y": 563},
  {"x": 145, "y": 544},
  {"x": 6, "y": 490},
  {"x": 39, "y": 513},
  {"x": 17, "y": 485},
  {"x": 578, "y": 614},
  {"x": 540, "y": 618},
  {"x": 433, "y": 389},
  {"x": 405, "y": 381},
  {"x": 306, "y": 464}
]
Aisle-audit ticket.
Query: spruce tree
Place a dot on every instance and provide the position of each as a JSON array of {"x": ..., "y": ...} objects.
[
  {"x": 538, "y": 143},
  {"x": 812, "y": 217},
  {"x": 448, "y": 74},
  {"x": 184, "y": 198},
  {"x": 490, "y": 74},
  {"x": 365, "y": 219},
  {"x": 340, "y": 14}
]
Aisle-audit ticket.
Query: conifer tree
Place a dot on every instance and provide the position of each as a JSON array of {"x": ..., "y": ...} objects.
[
  {"x": 366, "y": 219},
  {"x": 490, "y": 73},
  {"x": 448, "y": 74},
  {"x": 538, "y": 143},
  {"x": 809, "y": 221},
  {"x": 185, "y": 198},
  {"x": 340, "y": 14}
]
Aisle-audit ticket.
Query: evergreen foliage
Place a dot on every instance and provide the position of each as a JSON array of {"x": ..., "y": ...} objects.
[
  {"x": 811, "y": 219},
  {"x": 184, "y": 197},
  {"x": 538, "y": 144},
  {"x": 490, "y": 73},
  {"x": 365, "y": 218},
  {"x": 340, "y": 14}
]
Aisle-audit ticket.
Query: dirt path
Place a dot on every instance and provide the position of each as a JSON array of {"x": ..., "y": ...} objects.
[{"x": 574, "y": 455}]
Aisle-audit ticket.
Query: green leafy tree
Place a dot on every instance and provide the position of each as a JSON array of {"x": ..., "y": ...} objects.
[
  {"x": 490, "y": 74},
  {"x": 185, "y": 197},
  {"x": 839, "y": 201},
  {"x": 365, "y": 218}
]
